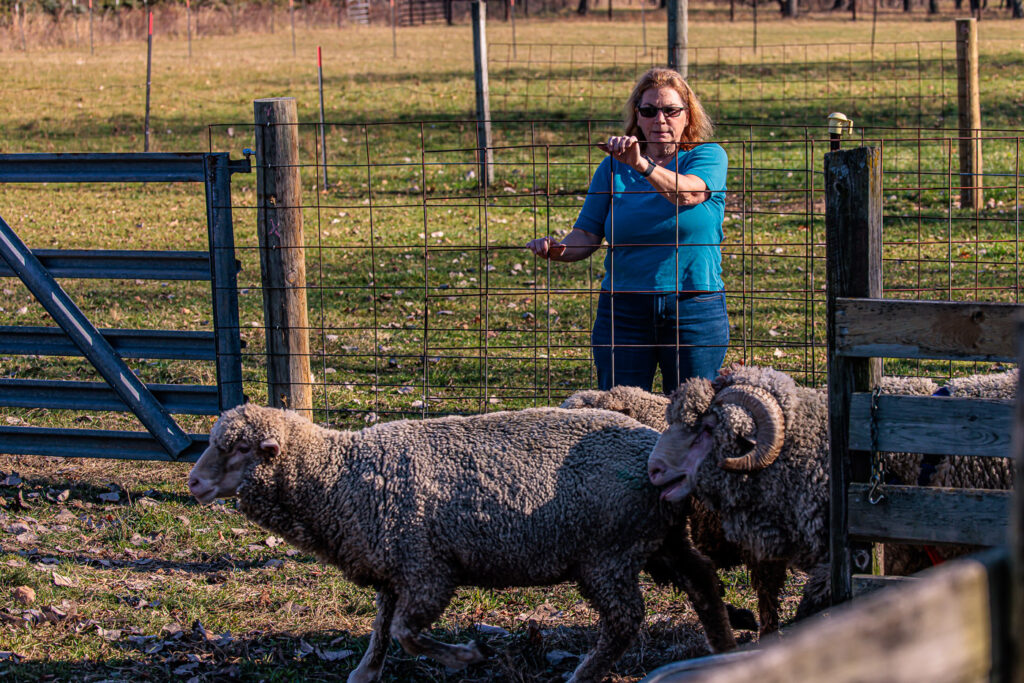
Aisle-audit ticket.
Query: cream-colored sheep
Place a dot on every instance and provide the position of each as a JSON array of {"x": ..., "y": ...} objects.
[{"x": 417, "y": 508}]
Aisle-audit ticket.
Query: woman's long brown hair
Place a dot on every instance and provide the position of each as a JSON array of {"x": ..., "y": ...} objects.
[{"x": 698, "y": 124}]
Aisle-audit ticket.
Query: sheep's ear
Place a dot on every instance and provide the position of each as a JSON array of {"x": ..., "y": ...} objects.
[{"x": 270, "y": 447}]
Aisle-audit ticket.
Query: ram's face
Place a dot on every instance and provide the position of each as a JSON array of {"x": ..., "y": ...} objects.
[
  {"x": 221, "y": 468},
  {"x": 678, "y": 454}
]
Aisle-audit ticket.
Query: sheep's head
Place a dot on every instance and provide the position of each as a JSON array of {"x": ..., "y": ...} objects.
[
  {"x": 742, "y": 425},
  {"x": 240, "y": 439}
]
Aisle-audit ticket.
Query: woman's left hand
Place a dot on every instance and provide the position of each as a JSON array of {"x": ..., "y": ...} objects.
[{"x": 624, "y": 148}]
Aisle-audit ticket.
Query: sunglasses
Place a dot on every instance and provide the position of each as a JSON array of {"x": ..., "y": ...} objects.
[{"x": 649, "y": 111}]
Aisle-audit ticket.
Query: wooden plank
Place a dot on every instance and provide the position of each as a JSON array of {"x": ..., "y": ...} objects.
[
  {"x": 936, "y": 629},
  {"x": 926, "y": 329},
  {"x": 1015, "y": 654},
  {"x": 853, "y": 236},
  {"x": 863, "y": 584},
  {"x": 925, "y": 514},
  {"x": 933, "y": 424}
]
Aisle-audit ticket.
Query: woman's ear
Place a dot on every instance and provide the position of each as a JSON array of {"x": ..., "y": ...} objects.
[{"x": 270, "y": 447}]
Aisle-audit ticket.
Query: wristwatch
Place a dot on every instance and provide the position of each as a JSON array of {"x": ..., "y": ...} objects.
[{"x": 650, "y": 166}]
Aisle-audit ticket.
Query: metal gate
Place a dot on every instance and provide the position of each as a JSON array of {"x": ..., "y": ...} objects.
[{"x": 105, "y": 349}]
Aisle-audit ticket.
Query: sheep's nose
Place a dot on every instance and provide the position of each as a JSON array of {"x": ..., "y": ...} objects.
[
  {"x": 655, "y": 469},
  {"x": 193, "y": 483}
]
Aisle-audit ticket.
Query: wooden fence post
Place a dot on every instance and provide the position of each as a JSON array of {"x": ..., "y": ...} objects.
[
  {"x": 483, "y": 94},
  {"x": 282, "y": 255},
  {"x": 678, "y": 36},
  {"x": 969, "y": 109},
  {"x": 1016, "y": 540},
  {"x": 853, "y": 236}
]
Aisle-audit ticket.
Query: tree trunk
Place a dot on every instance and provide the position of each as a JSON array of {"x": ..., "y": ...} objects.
[
  {"x": 933, "y": 6},
  {"x": 1018, "y": 11},
  {"x": 582, "y": 7},
  {"x": 789, "y": 8}
]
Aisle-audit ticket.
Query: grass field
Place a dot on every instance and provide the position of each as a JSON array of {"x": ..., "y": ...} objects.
[{"x": 142, "y": 584}]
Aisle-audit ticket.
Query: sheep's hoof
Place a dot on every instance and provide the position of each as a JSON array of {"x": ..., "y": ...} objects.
[{"x": 741, "y": 619}]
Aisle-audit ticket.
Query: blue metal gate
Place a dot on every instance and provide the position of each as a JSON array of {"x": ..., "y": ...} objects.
[{"x": 106, "y": 349}]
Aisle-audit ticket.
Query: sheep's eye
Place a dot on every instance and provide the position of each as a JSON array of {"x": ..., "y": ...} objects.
[{"x": 244, "y": 448}]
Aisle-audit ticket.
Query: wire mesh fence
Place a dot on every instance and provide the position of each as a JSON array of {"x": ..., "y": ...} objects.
[
  {"x": 423, "y": 299},
  {"x": 910, "y": 83}
]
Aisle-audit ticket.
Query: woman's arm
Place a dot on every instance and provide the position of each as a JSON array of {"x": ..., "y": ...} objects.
[
  {"x": 577, "y": 245},
  {"x": 679, "y": 188}
]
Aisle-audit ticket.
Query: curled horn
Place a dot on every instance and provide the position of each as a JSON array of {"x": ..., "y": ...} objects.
[{"x": 768, "y": 420}]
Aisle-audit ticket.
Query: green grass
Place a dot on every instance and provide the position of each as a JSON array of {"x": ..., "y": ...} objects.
[{"x": 423, "y": 300}]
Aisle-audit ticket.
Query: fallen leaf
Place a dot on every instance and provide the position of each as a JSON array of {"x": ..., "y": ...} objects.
[
  {"x": 111, "y": 497},
  {"x": 333, "y": 655},
  {"x": 61, "y": 580},
  {"x": 24, "y": 595},
  {"x": 273, "y": 541},
  {"x": 273, "y": 564},
  {"x": 108, "y": 634},
  {"x": 556, "y": 657}
]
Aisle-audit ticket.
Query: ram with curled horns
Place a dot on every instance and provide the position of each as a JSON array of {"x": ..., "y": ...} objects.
[{"x": 752, "y": 447}]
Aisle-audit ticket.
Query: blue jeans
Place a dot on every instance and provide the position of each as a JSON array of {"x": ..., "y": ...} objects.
[{"x": 645, "y": 338}]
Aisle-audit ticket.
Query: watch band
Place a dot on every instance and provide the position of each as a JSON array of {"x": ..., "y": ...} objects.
[{"x": 650, "y": 166}]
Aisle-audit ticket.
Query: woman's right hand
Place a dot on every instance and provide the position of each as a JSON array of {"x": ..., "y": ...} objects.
[{"x": 546, "y": 247}]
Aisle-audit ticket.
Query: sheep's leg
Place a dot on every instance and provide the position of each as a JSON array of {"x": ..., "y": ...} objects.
[
  {"x": 416, "y": 611},
  {"x": 767, "y": 579},
  {"x": 695, "y": 574},
  {"x": 618, "y": 601},
  {"x": 373, "y": 660}
]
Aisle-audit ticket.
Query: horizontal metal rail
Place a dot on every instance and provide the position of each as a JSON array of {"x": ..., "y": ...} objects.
[
  {"x": 109, "y": 168},
  {"x": 167, "y": 344},
  {"x": 94, "y": 443},
  {"x": 122, "y": 265},
  {"x": 178, "y": 399}
]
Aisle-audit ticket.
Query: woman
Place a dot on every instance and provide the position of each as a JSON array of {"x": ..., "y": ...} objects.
[{"x": 658, "y": 199}]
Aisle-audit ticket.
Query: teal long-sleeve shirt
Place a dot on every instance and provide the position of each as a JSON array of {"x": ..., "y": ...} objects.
[{"x": 655, "y": 246}]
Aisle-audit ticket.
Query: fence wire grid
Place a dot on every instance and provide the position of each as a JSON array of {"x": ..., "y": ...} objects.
[
  {"x": 908, "y": 83},
  {"x": 424, "y": 301}
]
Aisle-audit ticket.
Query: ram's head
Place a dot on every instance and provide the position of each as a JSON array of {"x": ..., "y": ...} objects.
[{"x": 730, "y": 424}]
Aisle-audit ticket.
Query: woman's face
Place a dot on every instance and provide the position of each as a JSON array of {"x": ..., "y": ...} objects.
[{"x": 662, "y": 128}]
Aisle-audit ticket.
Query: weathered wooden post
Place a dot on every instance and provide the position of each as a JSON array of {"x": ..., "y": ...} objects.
[
  {"x": 969, "y": 108},
  {"x": 1016, "y": 540},
  {"x": 483, "y": 94},
  {"x": 678, "y": 36},
  {"x": 282, "y": 255},
  {"x": 853, "y": 236}
]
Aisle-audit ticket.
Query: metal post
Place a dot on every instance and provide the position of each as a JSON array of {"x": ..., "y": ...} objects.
[
  {"x": 643, "y": 23},
  {"x": 320, "y": 87},
  {"x": 394, "y": 30},
  {"x": 149, "y": 76},
  {"x": 188, "y": 19},
  {"x": 291, "y": 12},
  {"x": 512, "y": 14},
  {"x": 282, "y": 253},
  {"x": 678, "y": 35},
  {"x": 91, "y": 51},
  {"x": 755, "y": 25},
  {"x": 21, "y": 24},
  {"x": 483, "y": 97},
  {"x": 969, "y": 109}
]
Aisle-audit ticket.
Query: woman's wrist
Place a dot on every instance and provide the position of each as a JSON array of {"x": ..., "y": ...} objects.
[{"x": 647, "y": 166}]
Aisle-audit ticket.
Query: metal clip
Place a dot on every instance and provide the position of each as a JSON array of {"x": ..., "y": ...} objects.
[{"x": 247, "y": 152}]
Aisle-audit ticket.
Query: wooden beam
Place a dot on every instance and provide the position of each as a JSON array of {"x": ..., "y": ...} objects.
[
  {"x": 969, "y": 113},
  {"x": 925, "y": 514},
  {"x": 1016, "y": 537},
  {"x": 936, "y": 629},
  {"x": 926, "y": 329},
  {"x": 853, "y": 236},
  {"x": 864, "y": 584},
  {"x": 940, "y": 425}
]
